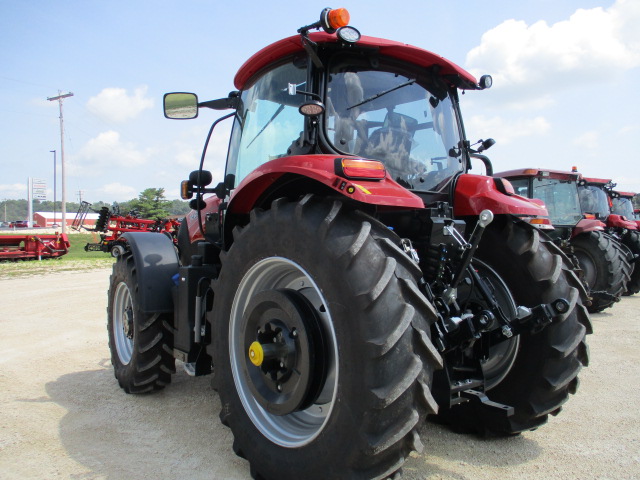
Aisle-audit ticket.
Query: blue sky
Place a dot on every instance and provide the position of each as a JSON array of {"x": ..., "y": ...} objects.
[{"x": 565, "y": 82}]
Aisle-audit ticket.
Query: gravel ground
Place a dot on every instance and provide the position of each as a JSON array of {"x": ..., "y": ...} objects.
[{"x": 62, "y": 414}]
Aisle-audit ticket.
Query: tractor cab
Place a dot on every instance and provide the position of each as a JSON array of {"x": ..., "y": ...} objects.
[
  {"x": 380, "y": 110},
  {"x": 608, "y": 205},
  {"x": 594, "y": 197},
  {"x": 557, "y": 189},
  {"x": 622, "y": 204}
]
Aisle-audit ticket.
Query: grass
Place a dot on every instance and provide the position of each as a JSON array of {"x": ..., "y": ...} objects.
[{"x": 75, "y": 260}]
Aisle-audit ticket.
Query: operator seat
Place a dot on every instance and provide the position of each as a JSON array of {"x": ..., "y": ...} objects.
[{"x": 391, "y": 143}]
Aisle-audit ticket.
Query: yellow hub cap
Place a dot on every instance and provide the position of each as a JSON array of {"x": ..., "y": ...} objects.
[{"x": 256, "y": 354}]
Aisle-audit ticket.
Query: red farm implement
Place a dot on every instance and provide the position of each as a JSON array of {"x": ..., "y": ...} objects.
[
  {"x": 112, "y": 225},
  {"x": 31, "y": 247}
]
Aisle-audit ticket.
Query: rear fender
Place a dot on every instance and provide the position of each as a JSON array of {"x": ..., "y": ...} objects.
[
  {"x": 156, "y": 263},
  {"x": 587, "y": 225},
  {"x": 320, "y": 169},
  {"x": 620, "y": 221},
  {"x": 474, "y": 193}
]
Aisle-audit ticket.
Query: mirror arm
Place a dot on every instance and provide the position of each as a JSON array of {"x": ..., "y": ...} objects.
[{"x": 232, "y": 101}]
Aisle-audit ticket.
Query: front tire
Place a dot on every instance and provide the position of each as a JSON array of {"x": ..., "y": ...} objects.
[
  {"x": 140, "y": 343},
  {"x": 343, "y": 397}
]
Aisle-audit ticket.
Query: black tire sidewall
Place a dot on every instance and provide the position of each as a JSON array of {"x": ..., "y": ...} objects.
[{"x": 336, "y": 452}]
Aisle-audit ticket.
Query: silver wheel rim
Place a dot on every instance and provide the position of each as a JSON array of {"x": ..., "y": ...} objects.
[
  {"x": 122, "y": 323},
  {"x": 502, "y": 356},
  {"x": 302, "y": 427}
]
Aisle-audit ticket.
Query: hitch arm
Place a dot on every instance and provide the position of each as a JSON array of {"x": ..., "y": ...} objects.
[
  {"x": 538, "y": 317},
  {"x": 486, "y": 217}
]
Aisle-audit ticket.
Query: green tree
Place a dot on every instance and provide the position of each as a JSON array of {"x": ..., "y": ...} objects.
[
  {"x": 179, "y": 207},
  {"x": 152, "y": 204}
]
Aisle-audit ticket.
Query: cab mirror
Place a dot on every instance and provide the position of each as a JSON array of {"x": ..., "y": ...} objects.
[{"x": 180, "y": 105}]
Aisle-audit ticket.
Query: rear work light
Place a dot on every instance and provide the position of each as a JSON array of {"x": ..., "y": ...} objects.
[{"x": 360, "y": 169}]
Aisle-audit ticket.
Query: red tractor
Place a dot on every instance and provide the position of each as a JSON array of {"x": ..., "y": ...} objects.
[
  {"x": 616, "y": 210},
  {"x": 578, "y": 230},
  {"x": 348, "y": 278}
]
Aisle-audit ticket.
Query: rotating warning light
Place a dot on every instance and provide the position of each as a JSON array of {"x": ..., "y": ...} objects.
[{"x": 333, "y": 19}]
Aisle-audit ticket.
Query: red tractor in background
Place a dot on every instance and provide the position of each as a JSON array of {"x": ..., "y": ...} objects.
[
  {"x": 348, "y": 277},
  {"x": 112, "y": 225},
  {"x": 578, "y": 231},
  {"x": 598, "y": 197}
]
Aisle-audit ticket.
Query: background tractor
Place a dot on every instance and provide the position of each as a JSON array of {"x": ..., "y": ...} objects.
[
  {"x": 578, "y": 230},
  {"x": 348, "y": 278},
  {"x": 616, "y": 210}
]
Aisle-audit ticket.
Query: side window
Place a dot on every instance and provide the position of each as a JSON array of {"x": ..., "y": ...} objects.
[
  {"x": 269, "y": 121},
  {"x": 521, "y": 186}
]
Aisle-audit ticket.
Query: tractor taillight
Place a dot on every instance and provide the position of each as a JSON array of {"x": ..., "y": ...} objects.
[
  {"x": 542, "y": 223},
  {"x": 338, "y": 17},
  {"x": 360, "y": 169}
]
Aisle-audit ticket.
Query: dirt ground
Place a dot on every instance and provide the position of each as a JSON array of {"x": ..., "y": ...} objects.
[{"x": 62, "y": 414}]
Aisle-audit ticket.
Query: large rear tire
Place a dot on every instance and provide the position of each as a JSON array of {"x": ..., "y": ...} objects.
[
  {"x": 535, "y": 372},
  {"x": 605, "y": 268},
  {"x": 140, "y": 343},
  {"x": 330, "y": 291}
]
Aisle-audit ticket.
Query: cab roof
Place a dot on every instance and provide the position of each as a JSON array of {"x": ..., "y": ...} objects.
[
  {"x": 401, "y": 51},
  {"x": 626, "y": 194},
  {"x": 535, "y": 172},
  {"x": 597, "y": 181}
]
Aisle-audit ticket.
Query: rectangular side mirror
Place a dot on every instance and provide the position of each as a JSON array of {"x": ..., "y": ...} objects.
[{"x": 180, "y": 105}]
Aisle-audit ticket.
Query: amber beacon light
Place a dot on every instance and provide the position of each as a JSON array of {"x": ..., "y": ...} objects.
[
  {"x": 331, "y": 19},
  {"x": 336, "y": 18}
]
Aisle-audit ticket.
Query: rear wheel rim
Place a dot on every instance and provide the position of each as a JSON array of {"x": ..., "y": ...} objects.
[
  {"x": 502, "y": 356},
  {"x": 300, "y": 427},
  {"x": 123, "y": 330},
  {"x": 588, "y": 266}
]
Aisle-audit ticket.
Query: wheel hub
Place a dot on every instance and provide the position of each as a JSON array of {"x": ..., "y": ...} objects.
[
  {"x": 127, "y": 324},
  {"x": 286, "y": 351}
]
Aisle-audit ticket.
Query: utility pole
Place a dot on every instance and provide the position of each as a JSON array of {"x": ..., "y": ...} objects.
[
  {"x": 54, "y": 186},
  {"x": 63, "y": 207}
]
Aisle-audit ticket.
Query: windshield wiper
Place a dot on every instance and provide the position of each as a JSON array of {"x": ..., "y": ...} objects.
[
  {"x": 273, "y": 117},
  {"x": 378, "y": 95}
]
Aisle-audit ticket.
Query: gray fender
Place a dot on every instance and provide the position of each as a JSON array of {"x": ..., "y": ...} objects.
[{"x": 156, "y": 263}]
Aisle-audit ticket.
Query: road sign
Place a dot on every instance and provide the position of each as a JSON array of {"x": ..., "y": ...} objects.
[{"x": 39, "y": 189}]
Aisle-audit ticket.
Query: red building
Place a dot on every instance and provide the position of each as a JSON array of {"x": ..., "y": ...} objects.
[{"x": 46, "y": 219}]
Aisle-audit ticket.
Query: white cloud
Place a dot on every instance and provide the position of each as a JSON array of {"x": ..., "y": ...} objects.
[
  {"x": 13, "y": 190},
  {"x": 588, "y": 140},
  {"x": 592, "y": 45},
  {"x": 508, "y": 129},
  {"x": 118, "y": 192},
  {"x": 107, "y": 151},
  {"x": 115, "y": 105}
]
